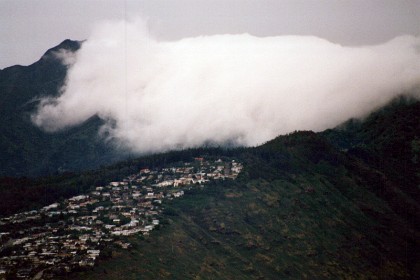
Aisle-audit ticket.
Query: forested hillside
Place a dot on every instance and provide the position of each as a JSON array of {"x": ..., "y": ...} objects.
[
  {"x": 303, "y": 208},
  {"x": 340, "y": 204},
  {"x": 26, "y": 150}
]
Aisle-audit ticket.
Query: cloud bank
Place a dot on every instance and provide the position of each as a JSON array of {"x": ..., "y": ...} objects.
[{"x": 237, "y": 89}]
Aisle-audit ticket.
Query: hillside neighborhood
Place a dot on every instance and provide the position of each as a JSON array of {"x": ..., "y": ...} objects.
[{"x": 74, "y": 233}]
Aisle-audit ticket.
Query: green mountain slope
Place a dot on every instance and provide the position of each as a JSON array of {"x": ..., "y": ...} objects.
[
  {"x": 302, "y": 209},
  {"x": 25, "y": 149},
  {"x": 341, "y": 204},
  {"x": 387, "y": 139}
]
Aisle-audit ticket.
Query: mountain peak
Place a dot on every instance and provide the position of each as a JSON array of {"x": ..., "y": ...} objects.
[{"x": 67, "y": 45}]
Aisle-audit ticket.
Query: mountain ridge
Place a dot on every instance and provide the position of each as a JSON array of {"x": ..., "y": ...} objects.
[
  {"x": 338, "y": 204},
  {"x": 26, "y": 149},
  {"x": 303, "y": 207}
]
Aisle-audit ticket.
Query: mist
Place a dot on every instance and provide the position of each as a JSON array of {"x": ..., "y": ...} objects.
[{"x": 222, "y": 89}]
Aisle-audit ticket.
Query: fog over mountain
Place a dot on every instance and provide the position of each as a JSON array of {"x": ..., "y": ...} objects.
[{"x": 236, "y": 89}]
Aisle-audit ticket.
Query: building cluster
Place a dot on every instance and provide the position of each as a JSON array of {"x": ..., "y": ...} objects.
[{"x": 72, "y": 234}]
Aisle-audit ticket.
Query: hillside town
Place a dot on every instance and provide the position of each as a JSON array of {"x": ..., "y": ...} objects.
[{"x": 74, "y": 233}]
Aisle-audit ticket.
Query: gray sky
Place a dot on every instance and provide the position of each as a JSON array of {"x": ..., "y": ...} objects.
[{"x": 29, "y": 27}]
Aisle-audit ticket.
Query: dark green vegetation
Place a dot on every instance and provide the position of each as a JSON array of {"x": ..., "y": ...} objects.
[
  {"x": 341, "y": 204},
  {"x": 23, "y": 193},
  {"x": 307, "y": 206},
  {"x": 25, "y": 149}
]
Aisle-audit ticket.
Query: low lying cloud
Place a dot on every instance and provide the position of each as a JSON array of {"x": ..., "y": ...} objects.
[{"x": 236, "y": 89}]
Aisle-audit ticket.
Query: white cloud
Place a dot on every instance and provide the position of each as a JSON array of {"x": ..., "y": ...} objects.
[{"x": 223, "y": 88}]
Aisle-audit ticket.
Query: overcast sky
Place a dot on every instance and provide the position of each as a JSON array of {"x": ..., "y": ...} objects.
[{"x": 29, "y": 27}]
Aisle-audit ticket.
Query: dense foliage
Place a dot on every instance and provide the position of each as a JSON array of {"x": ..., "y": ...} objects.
[
  {"x": 341, "y": 204},
  {"x": 306, "y": 205},
  {"x": 25, "y": 193},
  {"x": 27, "y": 150}
]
